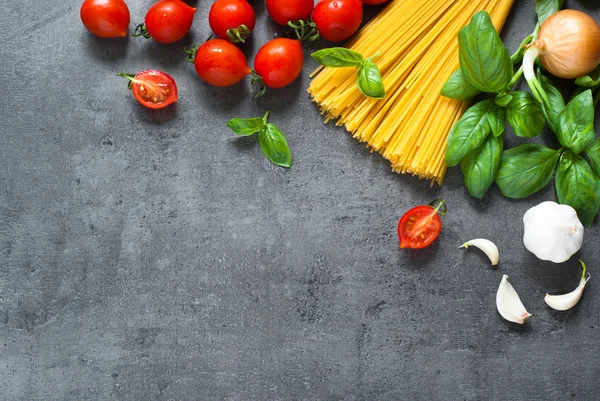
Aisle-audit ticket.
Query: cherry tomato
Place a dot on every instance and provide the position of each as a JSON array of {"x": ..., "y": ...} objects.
[
  {"x": 421, "y": 225},
  {"x": 167, "y": 21},
  {"x": 220, "y": 63},
  {"x": 152, "y": 88},
  {"x": 279, "y": 62},
  {"x": 105, "y": 18},
  {"x": 232, "y": 19},
  {"x": 337, "y": 20},
  {"x": 283, "y": 11},
  {"x": 374, "y": 1}
]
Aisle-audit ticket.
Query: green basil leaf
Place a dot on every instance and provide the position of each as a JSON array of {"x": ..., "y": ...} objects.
[
  {"x": 338, "y": 57},
  {"x": 525, "y": 169},
  {"x": 576, "y": 123},
  {"x": 524, "y": 114},
  {"x": 484, "y": 60},
  {"x": 504, "y": 100},
  {"x": 593, "y": 152},
  {"x": 591, "y": 80},
  {"x": 557, "y": 102},
  {"x": 369, "y": 80},
  {"x": 457, "y": 87},
  {"x": 245, "y": 126},
  {"x": 274, "y": 145},
  {"x": 468, "y": 133},
  {"x": 497, "y": 119},
  {"x": 481, "y": 165},
  {"x": 576, "y": 186},
  {"x": 545, "y": 8}
]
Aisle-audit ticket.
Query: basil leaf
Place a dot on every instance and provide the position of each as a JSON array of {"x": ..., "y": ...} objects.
[
  {"x": 504, "y": 100},
  {"x": 576, "y": 186},
  {"x": 557, "y": 103},
  {"x": 369, "y": 80},
  {"x": 481, "y": 165},
  {"x": 468, "y": 133},
  {"x": 593, "y": 152},
  {"x": 524, "y": 114},
  {"x": 274, "y": 145},
  {"x": 484, "y": 60},
  {"x": 457, "y": 87},
  {"x": 545, "y": 8},
  {"x": 591, "y": 80},
  {"x": 338, "y": 57},
  {"x": 525, "y": 169},
  {"x": 245, "y": 126},
  {"x": 496, "y": 119},
  {"x": 575, "y": 128}
]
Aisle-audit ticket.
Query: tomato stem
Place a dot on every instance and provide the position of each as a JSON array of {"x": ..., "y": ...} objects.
[
  {"x": 304, "y": 30},
  {"x": 141, "y": 30},
  {"x": 191, "y": 52},
  {"x": 239, "y": 34},
  {"x": 130, "y": 77},
  {"x": 441, "y": 203},
  {"x": 257, "y": 80}
]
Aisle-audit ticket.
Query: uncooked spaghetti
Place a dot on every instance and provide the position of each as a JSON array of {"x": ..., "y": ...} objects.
[{"x": 419, "y": 46}]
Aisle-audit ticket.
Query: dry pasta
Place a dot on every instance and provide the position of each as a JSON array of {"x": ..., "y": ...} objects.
[{"x": 419, "y": 46}]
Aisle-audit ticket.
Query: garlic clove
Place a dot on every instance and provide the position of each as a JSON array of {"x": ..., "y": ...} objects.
[
  {"x": 509, "y": 304},
  {"x": 487, "y": 246},
  {"x": 569, "y": 300}
]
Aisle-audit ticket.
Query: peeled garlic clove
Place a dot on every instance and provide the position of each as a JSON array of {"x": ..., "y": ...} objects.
[
  {"x": 567, "y": 301},
  {"x": 487, "y": 246},
  {"x": 509, "y": 304}
]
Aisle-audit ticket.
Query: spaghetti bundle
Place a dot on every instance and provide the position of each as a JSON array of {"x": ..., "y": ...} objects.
[{"x": 419, "y": 46}]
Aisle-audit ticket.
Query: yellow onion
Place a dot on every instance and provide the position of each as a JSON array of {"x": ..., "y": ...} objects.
[{"x": 570, "y": 44}]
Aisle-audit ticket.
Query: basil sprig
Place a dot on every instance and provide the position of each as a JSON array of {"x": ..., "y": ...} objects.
[
  {"x": 368, "y": 80},
  {"x": 272, "y": 141},
  {"x": 577, "y": 186}
]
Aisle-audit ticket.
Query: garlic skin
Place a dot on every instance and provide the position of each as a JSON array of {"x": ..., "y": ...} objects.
[
  {"x": 487, "y": 246},
  {"x": 569, "y": 43},
  {"x": 552, "y": 232},
  {"x": 509, "y": 304},
  {"x": 569, "y": 300}
]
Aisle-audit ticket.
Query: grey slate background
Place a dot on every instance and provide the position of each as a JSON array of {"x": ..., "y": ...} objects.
[{"x": 151, "y": 255}]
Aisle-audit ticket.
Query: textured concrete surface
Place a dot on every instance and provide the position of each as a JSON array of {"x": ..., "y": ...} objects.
[{"x": 152, "y": 255}]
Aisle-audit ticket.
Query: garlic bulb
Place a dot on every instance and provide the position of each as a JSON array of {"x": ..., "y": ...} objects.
[
  {"x": 487, "y": 246},
  {"x": 509, "y": 304},
  {"x": 567, "y": 301},
  {"x": 569, "y": 41},
  {"x": 552, "y": 232}
]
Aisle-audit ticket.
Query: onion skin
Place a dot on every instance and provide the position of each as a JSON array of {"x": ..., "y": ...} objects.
[{"x": 569, "y": 41}]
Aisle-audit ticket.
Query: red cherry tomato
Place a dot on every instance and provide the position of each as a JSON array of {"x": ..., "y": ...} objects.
[
  {"x": 370, "y": 2},
  {"x": 279, "y": 62},
  {"x": 167, "y": 21},
  {"x": 232, "y": 19},
  {"x": 283, "y": 11},
  {"x": 421, "y": 225},
  {"x": 337, "y": 20},
  {"x": 152, "y": 88},
  {"x": 105, "y": 18},
  {"x": 219, "y": 62}
]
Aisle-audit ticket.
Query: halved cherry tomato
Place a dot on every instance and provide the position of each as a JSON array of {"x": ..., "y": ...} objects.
[
  {"x": 279, "y": 62},
  {"x": 167, "y": 21},
  {"x": 232, "y": 19},
  {"x": 219, "y": 62},
  {"x": 284, "y": 11},
  {"x": 152, "y": 88},
  {"x": 337, "y": 20},
  {"x": 421, "y": 225},
  {"x": 105, "y": 18}
]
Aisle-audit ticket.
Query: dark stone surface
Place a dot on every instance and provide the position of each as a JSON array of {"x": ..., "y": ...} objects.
[{"x": 152, "y": 255}]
